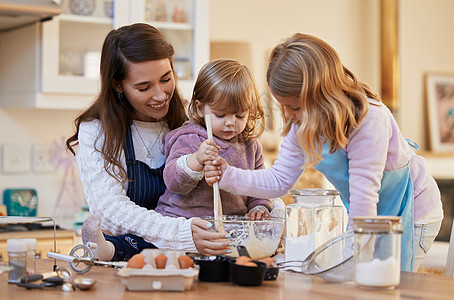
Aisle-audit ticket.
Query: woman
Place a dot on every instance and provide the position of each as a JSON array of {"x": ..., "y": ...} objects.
[{"x": 120, "y": 138}]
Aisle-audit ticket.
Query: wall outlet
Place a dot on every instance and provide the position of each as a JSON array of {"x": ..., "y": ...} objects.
[
  {"x": 16, "y": 158},
  {"x": 41, "y": 159}
]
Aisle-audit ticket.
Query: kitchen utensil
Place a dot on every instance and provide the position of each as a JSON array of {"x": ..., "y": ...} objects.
[
  {"x": 84, "y": 283},
  {"x": 49, "y": 279},
  {"x": 260, "y": 237},
  {"x": 331, "y": 261},
  {"x": 81, "y": 259},
  {"x": 217, "y": 195},
  {"x": 242, "y": 251}
]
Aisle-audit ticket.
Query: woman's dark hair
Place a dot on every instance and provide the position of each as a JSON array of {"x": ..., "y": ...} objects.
[{"x": 128, "y": 44}]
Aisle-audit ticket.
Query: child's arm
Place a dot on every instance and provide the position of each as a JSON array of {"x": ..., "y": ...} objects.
[
  {"x": 268, "y": 183},
  {"x": 258, "y": 207},
  {"x": 177, "y": 174},
  {"x": 182, "y": 173}
]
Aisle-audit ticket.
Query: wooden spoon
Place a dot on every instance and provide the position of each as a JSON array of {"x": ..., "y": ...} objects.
[{"x": 217, "y": 196}]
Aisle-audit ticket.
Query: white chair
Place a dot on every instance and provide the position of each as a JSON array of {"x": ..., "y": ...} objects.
[{"x": 450, "y": 258}]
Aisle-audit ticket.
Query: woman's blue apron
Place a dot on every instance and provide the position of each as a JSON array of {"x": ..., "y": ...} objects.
[
  {"x": 145, "y": 186},
  {"x": 396, "y": 196}
]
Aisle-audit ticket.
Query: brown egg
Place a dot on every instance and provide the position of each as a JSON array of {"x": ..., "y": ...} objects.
[
  {"x": 185, "y": 262},
  {"x": 268, "y": 261},
  {"x": 250, "y": 264},
  {"x": 242, "y": 260},
  {"x": 137, "y": 261},
  {"x": 161, "y": 261}
]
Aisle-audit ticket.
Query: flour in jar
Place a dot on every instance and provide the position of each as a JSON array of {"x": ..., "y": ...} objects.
[
  {"x": 298, "y": 248},
  {"x": 378, "y": 273}
]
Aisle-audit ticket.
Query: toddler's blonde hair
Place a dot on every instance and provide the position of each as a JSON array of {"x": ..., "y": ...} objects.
[{"x": 227, "y": 85}]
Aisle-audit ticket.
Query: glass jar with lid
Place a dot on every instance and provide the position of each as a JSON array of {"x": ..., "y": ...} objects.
[
  {"x": 377, "y": 251},
  {"x": 311, "y": 220}
]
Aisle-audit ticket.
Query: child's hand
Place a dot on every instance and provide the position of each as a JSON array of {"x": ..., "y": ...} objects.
[
  {"x": 214, "y": 170},
  {"x": 258, "y": 213},
  {"x": 207, "y": 151}
]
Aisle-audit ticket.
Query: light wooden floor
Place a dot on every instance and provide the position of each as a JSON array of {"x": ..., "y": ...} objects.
[{"x": 435, "y": 260}]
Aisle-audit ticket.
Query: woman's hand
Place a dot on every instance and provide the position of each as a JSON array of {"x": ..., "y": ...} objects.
[
  {"x": 209, "y": 242},
  {"x": 214, "y": 170}
]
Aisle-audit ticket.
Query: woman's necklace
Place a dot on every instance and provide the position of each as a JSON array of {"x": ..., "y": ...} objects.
[{"x": 143, "y": 142}]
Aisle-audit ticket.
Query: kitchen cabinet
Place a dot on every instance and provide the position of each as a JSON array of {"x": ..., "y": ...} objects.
[
  {"x": 55, "y": 64},
  {"x": 185, "y": 23}
]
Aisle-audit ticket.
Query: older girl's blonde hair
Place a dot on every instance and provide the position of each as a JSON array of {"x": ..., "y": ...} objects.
[
  {"x": 332, "y": 100},
  {"x": 228, "y": 85}
]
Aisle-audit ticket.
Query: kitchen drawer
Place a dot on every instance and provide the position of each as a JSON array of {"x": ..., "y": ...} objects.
[{"x": 44, "y": 238}]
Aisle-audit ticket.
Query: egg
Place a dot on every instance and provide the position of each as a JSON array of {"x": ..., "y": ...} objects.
[
  {"x": 185, "y": 262},
  {"x": 161, "y": 261},
  {"x": 242, "y": 260},
  {"x": 268, "y": 261},
  {"x": 137, "y": 261}
]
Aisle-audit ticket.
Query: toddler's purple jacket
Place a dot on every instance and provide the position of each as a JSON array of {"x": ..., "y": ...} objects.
[{"x": 187, "y": 197}]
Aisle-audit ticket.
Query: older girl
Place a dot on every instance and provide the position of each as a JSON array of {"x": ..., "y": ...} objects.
[{"x": 337, "y": 124}]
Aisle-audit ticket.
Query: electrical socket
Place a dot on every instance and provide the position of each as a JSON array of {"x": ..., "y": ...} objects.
[
  {"x": 16, "y": 158},
  {"x": 41, "y": 159}
]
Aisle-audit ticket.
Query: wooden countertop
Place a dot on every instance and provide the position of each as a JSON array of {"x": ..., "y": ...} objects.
[{"x": 287, "y": 286}]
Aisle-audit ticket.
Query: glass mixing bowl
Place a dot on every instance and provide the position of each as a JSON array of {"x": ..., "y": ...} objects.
[{"x": 260, "y": 237}]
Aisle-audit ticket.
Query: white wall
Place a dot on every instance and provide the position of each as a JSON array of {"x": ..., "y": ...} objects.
[
  {"x": 350, "y": 26},
  {"x": 426, "y": 45},
  {"x": 28, "y": 127}
]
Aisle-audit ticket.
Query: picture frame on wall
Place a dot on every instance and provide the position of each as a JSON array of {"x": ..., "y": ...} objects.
[{"x": 440, "y": 105}]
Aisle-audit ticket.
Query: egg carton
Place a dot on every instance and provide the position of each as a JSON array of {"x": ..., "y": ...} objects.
[{"x": 149, "y": 278}]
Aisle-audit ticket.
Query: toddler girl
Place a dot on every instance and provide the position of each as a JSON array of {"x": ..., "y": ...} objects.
[{"x": 226, "y": 91}]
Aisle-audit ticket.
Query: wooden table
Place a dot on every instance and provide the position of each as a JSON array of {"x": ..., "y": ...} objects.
[{"x": 287, "y": 286}]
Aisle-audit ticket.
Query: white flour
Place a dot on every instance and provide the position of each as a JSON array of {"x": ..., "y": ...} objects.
[
  {"x": 298, "y": 249},
  {"x": 378, "y": 273}
]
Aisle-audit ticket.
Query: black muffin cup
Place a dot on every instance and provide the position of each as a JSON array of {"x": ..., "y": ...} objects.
[
  {"x": 213, "y": 269},
  {"x": 248, "y": 276}
]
